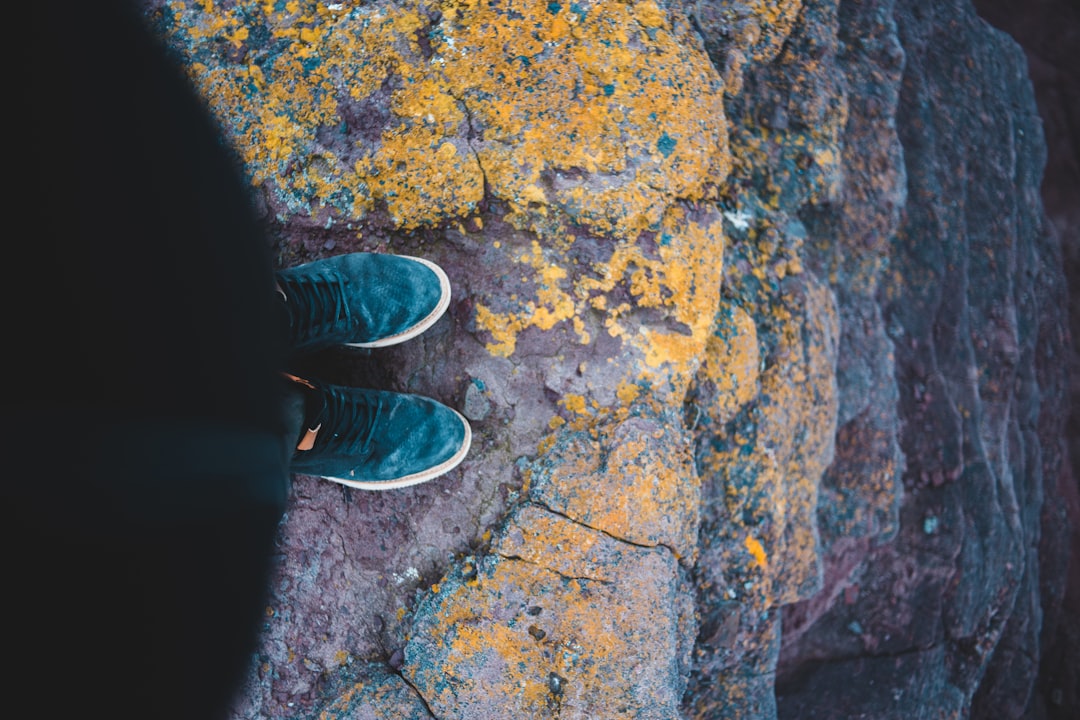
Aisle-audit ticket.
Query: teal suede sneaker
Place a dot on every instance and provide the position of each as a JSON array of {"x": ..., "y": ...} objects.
[
  {"x": 365, "y": 300},
  {"x": 377, "y": 440}
]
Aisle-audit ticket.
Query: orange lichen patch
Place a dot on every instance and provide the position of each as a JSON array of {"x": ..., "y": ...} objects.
[
  {"x": 574, "y": 403},
  {"x": 546, "y": 627},
  {"x": 682, "y": 276},
  {"x": 648, "y": 489},
  {"x": 796, "y": 161},
  {"x": 731, "y": 363},
  {"x": 421, "y": 176},
  {"x": 774, "y": 20},
  {"x": 678, "y": 271},
  {"x": 627, "y": 393},
  {"x": 650, "y": 485},
  {"x": 812, "y": 169},
  {"x": 689, "y": 275},
  {"x": 552, "y": 305},
  {"x": 754, "y": 547}
]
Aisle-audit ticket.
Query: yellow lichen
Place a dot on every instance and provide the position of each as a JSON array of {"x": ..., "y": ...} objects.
[
  {"x": 494, "y": 656},
  {"x": 574, "y": 403},
  {"x": 731, "y": 361},
  {"x": 755, "y": 548},
  {"x": 645, "y": 468}
]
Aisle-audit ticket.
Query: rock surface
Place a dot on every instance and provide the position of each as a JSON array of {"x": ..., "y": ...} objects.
[
  {"x": 761, "y": 328},
  {"x": 1048, "y": 30},
  {"x": 974, "y": 316}
]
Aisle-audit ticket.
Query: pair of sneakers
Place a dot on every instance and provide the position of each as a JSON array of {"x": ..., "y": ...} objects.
[{"x": 364, "y": 438}]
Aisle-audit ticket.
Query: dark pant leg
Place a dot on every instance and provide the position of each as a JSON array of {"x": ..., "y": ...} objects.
[{"x": 145, "y": 471}]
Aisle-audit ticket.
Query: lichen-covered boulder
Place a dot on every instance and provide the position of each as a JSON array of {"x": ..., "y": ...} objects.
[{"x": 560, "y": 161}]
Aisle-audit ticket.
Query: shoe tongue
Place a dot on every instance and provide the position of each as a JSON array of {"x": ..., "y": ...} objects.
[
  {"x": 306, "y": 410},
  {"x": 307, "y": 441}
]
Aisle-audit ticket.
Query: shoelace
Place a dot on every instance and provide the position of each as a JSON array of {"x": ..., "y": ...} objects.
[
  {"x": 315, "y": 304},
  {"x": 347, "y": 423}
]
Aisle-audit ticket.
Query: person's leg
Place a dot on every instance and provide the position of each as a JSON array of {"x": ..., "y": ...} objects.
[{"x": 141, "y": 422}]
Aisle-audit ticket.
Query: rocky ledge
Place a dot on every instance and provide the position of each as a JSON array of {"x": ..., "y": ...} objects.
[{"x": 762, "y": 328}]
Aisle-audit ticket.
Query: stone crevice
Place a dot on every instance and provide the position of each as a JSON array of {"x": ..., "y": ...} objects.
[
  {"x": 419, "y": 696},
  {"x": 566, "y": 576},
  {"x": 611, "y": 535}
]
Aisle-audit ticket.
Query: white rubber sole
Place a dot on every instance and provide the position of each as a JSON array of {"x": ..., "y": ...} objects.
[
  {"x": 416, "y": 478},
  {"x": 432, "y": 317}
]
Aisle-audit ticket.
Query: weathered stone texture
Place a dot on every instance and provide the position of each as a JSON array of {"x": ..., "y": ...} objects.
[
  {"x": 562, "y": 620},
  {"x": 1048, "y": 31},
  {"x": 971, "y": 301},
  {"x": 375, "y": 692},
  {"x": 813, "y": 196}
]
